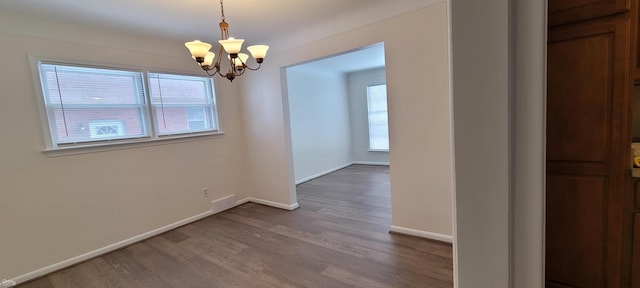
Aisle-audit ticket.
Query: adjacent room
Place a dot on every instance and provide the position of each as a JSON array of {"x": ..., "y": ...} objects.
[{"x": 338, "y": 112}]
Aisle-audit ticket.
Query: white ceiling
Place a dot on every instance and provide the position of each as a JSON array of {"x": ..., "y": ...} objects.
[
  {"x": 278, "y": 23},
  {"x": 254, "y": 20}
]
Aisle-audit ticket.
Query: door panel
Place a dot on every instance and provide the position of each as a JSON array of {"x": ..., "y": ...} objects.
[
  {"x": 581, "y": 130},
  {"x": 635, "y": 37},
  {"x": 635, "y": 281},
  {"x": 576, "y": 207},
  {"x": 568, "y": 11},
  {"x": 588, "y": 152}
]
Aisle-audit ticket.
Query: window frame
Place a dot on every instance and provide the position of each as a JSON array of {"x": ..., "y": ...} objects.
[
  {"x": 54, "y": 149},
  {"x": 50, "y": 107},
  {"x": 153, "y": 116}
]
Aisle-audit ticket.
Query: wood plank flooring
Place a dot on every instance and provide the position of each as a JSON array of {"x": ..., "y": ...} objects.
[{"x": 337, "y": 238}]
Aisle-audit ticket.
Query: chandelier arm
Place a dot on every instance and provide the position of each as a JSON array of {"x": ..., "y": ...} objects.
[
  {"x": 245, "y": 66},
  {"x": 240, "y": 72},
  {"x": 217, "y": 71},
  {"x": 210, "y": 74},
  {"x": 253, "y": 69},
  {"x": 217, "y": 65},
  {"x": 208, "y": 69}
]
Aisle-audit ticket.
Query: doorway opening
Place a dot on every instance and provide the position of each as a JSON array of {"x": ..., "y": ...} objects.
[
  {"x": 337, "y": 112},
  {"x": 338, "y": 117}
]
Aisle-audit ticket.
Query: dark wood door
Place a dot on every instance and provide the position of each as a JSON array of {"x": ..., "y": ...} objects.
[
  {"x": 568, "y": 11},
  {"x": 588, "y": 152},
  {"x": 635, "y": 279},
  {"x": 635, "y": 37}
]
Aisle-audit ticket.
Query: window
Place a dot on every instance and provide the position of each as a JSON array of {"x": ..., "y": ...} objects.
[
  {"x": 89, "y": 105},
  {"x": 181, "y": 104},
  {"x": 377, "y": 116},
  {"x": 77, "y": 96}
]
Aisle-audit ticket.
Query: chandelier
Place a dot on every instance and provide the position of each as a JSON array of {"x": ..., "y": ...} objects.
[{"x": 231, "y": 46}]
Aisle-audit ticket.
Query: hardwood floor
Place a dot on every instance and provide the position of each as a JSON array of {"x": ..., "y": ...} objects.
[{"x": 337, "y": 238}]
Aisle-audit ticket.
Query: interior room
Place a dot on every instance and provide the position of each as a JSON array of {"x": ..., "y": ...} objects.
[
  {"x": 331, "y": 114},
  {"x": 458, "y": 173}
]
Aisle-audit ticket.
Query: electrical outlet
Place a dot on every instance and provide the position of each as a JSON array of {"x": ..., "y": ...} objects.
[
  {"x": 205, "y": 192},
  {"x": 7, "y": 283}
]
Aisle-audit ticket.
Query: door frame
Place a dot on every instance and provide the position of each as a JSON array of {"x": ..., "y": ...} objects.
[{"x": 522, "y": 100}]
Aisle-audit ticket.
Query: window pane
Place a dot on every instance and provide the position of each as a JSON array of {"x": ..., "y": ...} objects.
[
  {"x": 197, "y": 118},
  {"x": 182, "y": 104},
  {"x": 378, "y": 119},
  {"x": 79, "y": 123},
  {"x": 78, "y": 97}
]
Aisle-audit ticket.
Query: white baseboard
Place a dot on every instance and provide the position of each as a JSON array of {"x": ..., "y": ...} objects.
[
  {"x": 370, "y": 163},
  {"x": 291, "y": 207},
  {"x": 421, "y": 234},
  {"x": 107, "y": 249},
  {"x": 242, "y": 201},
  {"x": 305, "y": 179}
]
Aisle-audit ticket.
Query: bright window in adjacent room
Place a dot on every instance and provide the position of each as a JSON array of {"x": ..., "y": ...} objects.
[
  {"x": 97, "y": 106},
  {"x": 378, "y": 119},
  {"x": 182, "y": 104}
]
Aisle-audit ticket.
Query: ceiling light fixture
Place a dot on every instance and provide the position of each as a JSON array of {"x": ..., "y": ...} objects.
[{"x": 231, "y": 46}]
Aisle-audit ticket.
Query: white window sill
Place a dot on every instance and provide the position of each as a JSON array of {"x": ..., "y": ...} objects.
[
  {"x": 127, "y": 144},
  {"x": 379, "y": 150}
]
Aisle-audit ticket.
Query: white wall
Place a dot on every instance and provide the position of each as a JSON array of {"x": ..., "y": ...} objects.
[
  {"x": 480, "y": 77},
  {"x": 319, "y": 115},
  {"x": 418, "y": 117},
  {"x": 528, "y": 64},
  {"x": 54, "y": 209},
  {"x": 498, "y": 80},
  {"x": 357, "y": 83}
]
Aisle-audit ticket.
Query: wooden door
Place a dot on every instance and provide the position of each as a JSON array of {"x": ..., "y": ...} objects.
[
  {"x": 568, "y": 11},
  {"x": 635, "y": 37},
  {"x": 635, "y": 278},
  {"x": 588, "y": 152}
]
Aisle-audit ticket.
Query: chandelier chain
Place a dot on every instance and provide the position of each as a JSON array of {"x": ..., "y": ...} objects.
[{"x": 222, "y": 10}]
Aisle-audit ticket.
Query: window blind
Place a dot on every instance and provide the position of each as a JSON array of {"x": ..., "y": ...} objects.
[
  {"x": 87, "y": 104},
  {"x": 182, "y": 104}
]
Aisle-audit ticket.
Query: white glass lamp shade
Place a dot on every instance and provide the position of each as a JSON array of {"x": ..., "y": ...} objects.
[
  {"x": 244, "y": 57},
  {"x": 258, "y": 51},
  {"x": 232, "y": 45},
  {"x": 208, "y": 60},
  {"x": 198, "y": 49}
]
